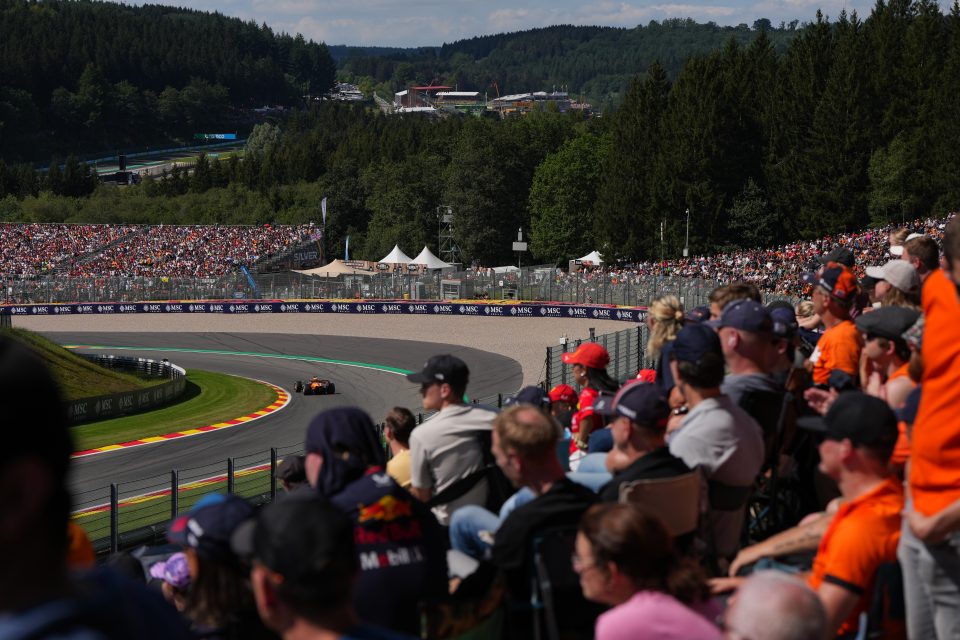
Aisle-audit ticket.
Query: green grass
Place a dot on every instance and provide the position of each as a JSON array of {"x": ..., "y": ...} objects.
[
  {"x": 209, "y": 398},
  {"x": 77, "y": 376}
]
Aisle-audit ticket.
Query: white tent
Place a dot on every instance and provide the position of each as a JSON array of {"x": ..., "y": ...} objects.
[
  {"x": 334, "y": 269},
  {"x": 396, "y": 257},
  {"x": 506, "y": 269},
  {"x": 593, "y": 258},
  {"x": 429, "y": 260}
]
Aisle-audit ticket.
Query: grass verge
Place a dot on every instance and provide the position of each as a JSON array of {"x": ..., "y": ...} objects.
[{"x": 209, "y": 398}]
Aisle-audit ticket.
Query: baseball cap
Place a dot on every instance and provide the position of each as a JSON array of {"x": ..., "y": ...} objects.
[
  {"x": 899, "y": 273},
  {"x": 784, "y": 319},
  {"x": 838, "y": 281},
  {"x": 308, "y": 542},
  {"x": 563, "y": 393},
  {"x": 442, "y": 368},
  {"x": 887, "y": 322},
  {"x": 698, "y": 314},
  {"x": 292, "y": 469},
  {"x": 647, "y": 375},
  {"x": 695, "y": 341},
  {"x": 841, "y": 255},
  {"x": 589, "y": 354},
  {"x": 641, "y": 402},
  {"x": 208, "y": 527},
  {"x": 529, "y": 395},
  {"x": 864, "y": 420},
  {"x": 174, "y": 571},
  {"x": 746, "y": 315},
  {"x": 897, "y": 250}
]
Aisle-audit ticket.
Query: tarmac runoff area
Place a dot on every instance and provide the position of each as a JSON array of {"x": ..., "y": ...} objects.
[{"x": 521, "y": 339}]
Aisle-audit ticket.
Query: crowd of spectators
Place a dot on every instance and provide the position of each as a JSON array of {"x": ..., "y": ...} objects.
[
  {"x": 101, "y": 251},
  {"x": 784, "y": 473}
]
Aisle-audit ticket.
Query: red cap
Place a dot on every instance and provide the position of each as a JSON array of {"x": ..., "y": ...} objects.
[
  {"x": 563, "y": 393},
  {"x": 647, "y": 375},
  {"x": 589, "y": 354}
]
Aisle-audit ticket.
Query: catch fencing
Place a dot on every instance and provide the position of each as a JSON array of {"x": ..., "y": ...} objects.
[{"x": 627, "y": 351}]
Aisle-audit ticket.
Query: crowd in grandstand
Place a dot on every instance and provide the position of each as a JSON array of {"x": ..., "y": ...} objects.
[
  {"x": 98, "y": 251},
  {"x": 803, "y": 458}
]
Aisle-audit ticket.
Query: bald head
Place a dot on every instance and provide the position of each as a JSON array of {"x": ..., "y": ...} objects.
[{"x": 772, "y": 605}]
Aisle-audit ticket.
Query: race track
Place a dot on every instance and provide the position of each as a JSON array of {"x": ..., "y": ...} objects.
[{"x": 374, "y": 390}]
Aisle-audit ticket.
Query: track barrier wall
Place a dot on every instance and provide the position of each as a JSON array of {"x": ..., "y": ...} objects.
[{"x": 128, "y": 402}]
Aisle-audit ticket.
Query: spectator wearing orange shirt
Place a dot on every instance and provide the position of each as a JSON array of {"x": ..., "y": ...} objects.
[
  {"x": 930, "y": 547},
  {"x": 839, "y": 347}
]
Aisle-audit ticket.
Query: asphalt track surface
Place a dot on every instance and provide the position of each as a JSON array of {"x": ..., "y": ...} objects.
[{"x": 375, "y": 391}]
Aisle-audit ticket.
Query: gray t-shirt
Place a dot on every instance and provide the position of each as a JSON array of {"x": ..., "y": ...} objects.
[
  {"x": 727, "y": 444},
  {"x": 734, "y": 386},
  {"x": 446, "y": 448}
]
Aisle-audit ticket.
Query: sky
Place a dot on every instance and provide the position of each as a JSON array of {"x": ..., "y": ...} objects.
[{"x": 414, "y": 23}]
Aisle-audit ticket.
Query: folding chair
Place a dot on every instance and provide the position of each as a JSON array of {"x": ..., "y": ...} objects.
[
  {"x": 676, "y": 500},
  {"x": 887, "y": 615}
]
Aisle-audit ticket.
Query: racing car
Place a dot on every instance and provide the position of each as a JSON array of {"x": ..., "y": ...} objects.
[{"x": 315, "y": 387}]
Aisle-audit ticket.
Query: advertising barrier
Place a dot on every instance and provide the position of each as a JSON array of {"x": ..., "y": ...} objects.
[
  {"x": 396, "y": 307},
  {"x": 118, "y": 404}
]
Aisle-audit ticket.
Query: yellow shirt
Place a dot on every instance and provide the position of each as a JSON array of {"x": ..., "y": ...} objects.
[{"x": 399, "y": 468}]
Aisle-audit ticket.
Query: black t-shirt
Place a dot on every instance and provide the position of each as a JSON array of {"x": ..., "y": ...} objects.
[
  {"x": 562, "y": 505},
  {"x": 656, "y": 464},
  {"x": 401, "y": 551}
]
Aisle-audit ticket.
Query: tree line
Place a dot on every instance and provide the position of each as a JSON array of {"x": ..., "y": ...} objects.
[
  {"x": 855, "y": 122},
  {"x": 80, "y": 74}
]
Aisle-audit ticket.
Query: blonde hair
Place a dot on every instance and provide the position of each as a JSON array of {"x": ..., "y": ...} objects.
[
  {"x": 528, "y": 431},
  {"x": 667, "y": 315},
  {"x": 898, "y": 237},
  {"x": 897, "y": 298},
  {"x": 804, "y": 309}
]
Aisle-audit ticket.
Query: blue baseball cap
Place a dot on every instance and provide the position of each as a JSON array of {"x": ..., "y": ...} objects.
[
  {"x": 785, "y": 323},
  {"x": 695, "y": 341},
  {"x": 746, "y": 315},
  {"x": 698, "y": 314},
  {"x": 529, "y": 395},
  {"x": 641, "y": 402},
  {"x": 209, "y": 527}
]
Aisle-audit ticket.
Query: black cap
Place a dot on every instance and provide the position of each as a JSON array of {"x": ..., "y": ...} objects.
[
  {"x": 642, "y": 403},
  {"x": 864, "y": 420},
  {"x": 887, "y": 322},
  {"x": 840, "y": 254},
  {"x": 442, "y": 368},
  {"x": 695, "y": 341},
  {"x": 308, "y": 541},
  {"x": 746, "y": 315},
  {"x": 529, "y": 395}
]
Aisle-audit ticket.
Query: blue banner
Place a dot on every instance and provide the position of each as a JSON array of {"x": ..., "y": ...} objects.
[{"x": 390, "y": 307}]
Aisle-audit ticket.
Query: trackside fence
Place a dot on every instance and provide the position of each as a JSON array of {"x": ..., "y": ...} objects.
[{"x": 627, "y": 351}]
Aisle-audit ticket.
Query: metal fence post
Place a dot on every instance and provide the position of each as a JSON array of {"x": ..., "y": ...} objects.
[
  {"x": 616, "y": 357},
  {"x": 273, "y": 473},
  {"x": 593, "y": 334},
  {"x": 114, "y": 517},
  {"x": 230, "y": 478},
  {"x": 548, "y": 368},
  {"x": 174, "y": 493}
]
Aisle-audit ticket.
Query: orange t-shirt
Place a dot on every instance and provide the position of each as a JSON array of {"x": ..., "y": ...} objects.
[
  {"x": 935, "y": 441},
  {"x": 838, "y": 348},
  {"x": 901, "y": 451},
  {"x": 863, "y": 534}
]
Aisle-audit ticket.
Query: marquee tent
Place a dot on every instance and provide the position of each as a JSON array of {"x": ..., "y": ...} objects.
[
  {"x": 396, "y": 257},
  {"x": 429, "y": 260},
  {"x": 334, "y": 269},
  {"x": 593, "y": 258}
]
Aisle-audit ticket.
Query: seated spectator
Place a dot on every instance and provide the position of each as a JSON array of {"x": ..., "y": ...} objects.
[
  {"x": 304, "y": 567},
  {"x": 563, "y": 404},
  {"x": 923, "y": 253},
  {"x": 449, "y": 446},
  {"x": 531, "y": 395},
  {"x": 174, "y": 576},
  {"x": 664, "y": 319},
  {"x": 859, "y": 435},
  {"x": 626, "y": 559},
  {"x": 397, "y": 427},
  {"x": 219, "y": 602},
  {"x": 589, "y": 365},
  {"x": 722, "y": 296},
  {"x": 398, "y": 541},
  {"x": 39, "y": 597},
  {"x": 887, "y": 353},
  {"x": 897, "y": 284},
  {"x": 640, "y": 450},
  {"x": 524, "y": 445},
  {"x": 746, "y": 336},
  {"x": 772, "y": 605},
  {"x": 292, "y": 473},
  {"x": 716, "y": 435},
  {"x": 839, "y": 346}
]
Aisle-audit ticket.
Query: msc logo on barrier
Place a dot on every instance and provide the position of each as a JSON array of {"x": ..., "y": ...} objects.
[
  {"x": 390, "y": 308},
  {"x": 493, "y": 311},
  {"x": 85, "y": 308},
  {"x": 577, "y": 312},
  {"x": 103, "y": 406},
  {"x": 78, "y": 410},
  {"x": 41, "y": 311},
  {"x": 263, "y": 308},
  {"x": 340, "y": 308},
  {"x": 106, "y": 308},
  {"x": 443, "y": 308},
  {"x": 239, "y": 308},
  {"x": 521, "y": 311},
  {"x": 60, "y": 310},
  {"x": 128, "y": 308},
  {"x": 125, "y": 402},
  {"x": 417, "y": 308},
  {"x": 18, "y": 310},
  {"x": 174, "y": 308},
  {"x": 197, "y": 308},
  {"x": 366, "y": 308},
  {"x": 290, "y": 308},
  {"x": 144, "y": 399},
  {"x": 553, "y": 312},
  {"x": 216, "y": 308},
  {"x": 313, "y": 308},
  {"x": 152, "y": 308},
  {"x": 601, "y": 313},
  {"x": 469, "y": 310}
]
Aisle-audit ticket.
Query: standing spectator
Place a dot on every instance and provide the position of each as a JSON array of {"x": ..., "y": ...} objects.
[
  {"x": 397, "y": 427},
  {"x": 839, "y": 346},
  {"x": 626, "y": 559},
  {"x": 304, "y": 567},
  {"x": 39, "y": 597},
  {"x": 930, "y": 547},
  {"x": 664, "y": 321},
  {"x": 922, "y": 252},
  {"x": 398, "y": 540},
  {"x": 448, "y": 446},
  {"x": 716, "y": 434},
  {"x": 589, "y": 363}
]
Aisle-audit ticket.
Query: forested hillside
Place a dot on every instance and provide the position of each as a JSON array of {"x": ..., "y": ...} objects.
[
  {"x": 82, "y": 76},
  {"x": 596, "y": 62}
]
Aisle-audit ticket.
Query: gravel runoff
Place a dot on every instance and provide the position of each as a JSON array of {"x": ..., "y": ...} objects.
[{"x": 523, "y": 339}]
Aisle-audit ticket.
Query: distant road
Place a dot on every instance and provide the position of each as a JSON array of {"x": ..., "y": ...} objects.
[{"x": 156, "y": 164}]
